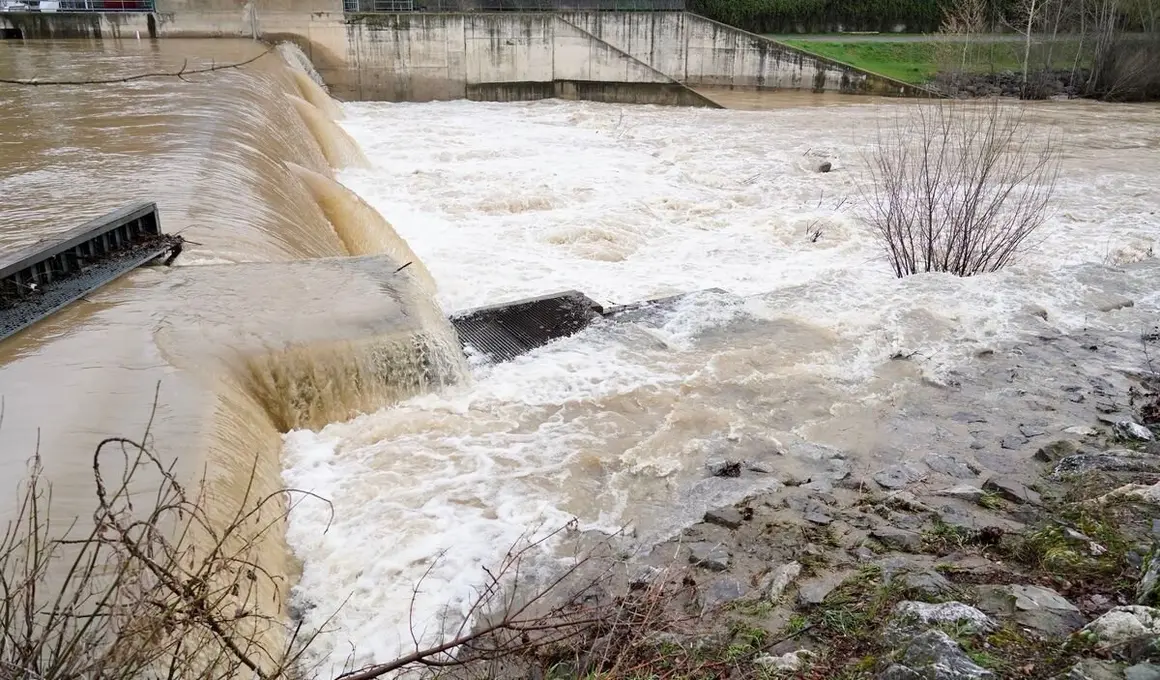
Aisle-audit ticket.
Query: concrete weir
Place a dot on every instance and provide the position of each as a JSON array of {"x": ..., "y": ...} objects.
[{"x": 637, "y": 57}]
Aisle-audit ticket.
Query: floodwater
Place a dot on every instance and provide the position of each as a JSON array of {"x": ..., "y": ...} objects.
[{"x": 612, "y": 427}]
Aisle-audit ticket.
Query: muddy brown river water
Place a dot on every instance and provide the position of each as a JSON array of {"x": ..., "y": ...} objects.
[{"x": 267, "y": 325}]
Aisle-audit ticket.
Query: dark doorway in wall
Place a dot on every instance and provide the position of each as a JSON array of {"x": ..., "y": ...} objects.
[{"x": 11, "y": 34}]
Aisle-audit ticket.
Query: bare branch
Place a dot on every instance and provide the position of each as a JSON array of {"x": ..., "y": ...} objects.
[{"x": 179, "y": 74}]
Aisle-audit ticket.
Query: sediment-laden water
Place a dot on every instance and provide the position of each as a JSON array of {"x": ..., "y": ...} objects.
[
  {"x": 614, "y": 426},
  {"x": 797, "y": 359}
]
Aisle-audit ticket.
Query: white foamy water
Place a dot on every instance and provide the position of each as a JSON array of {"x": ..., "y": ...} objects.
[{"x": 613, "y": 426}]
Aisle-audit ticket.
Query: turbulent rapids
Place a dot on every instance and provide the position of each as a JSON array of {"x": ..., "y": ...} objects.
[{"x": 304, "y": 341}]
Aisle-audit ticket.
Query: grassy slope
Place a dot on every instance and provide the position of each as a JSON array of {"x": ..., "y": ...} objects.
[{"x": 918, "y": 62}]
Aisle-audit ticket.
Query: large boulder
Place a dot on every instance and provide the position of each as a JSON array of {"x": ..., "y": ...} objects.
[
  {"x": 911, "y": 618},
  {"x": 1040, "y": 609},
  {"x": 1123, "y": 624},
  {"x": 935, "y": 656}
]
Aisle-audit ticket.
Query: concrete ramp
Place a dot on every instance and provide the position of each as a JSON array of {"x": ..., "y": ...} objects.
[
  {"x": 588, "y": 68},
  {"x": 541, "y": 56},
  {"x": 699, "y": 52}
]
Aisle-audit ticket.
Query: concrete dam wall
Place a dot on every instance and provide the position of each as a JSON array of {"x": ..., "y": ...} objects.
[{"x": 630, "y": 57}]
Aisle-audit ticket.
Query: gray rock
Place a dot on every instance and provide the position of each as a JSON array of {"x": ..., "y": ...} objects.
[
  {"x": 819, "y": 486},
  {"x": 904, "y": 500},
  {"x": 1013, "y": 443},
  {"x": 1040, "y": 609},
  {"x": 1056, "y": 450},
  {"x": 1122, "y": 624},
  {"x": 969, "y": 418},
  {"x": 779, "y": 579},
  {"x": 1147, "y": 591},
  {"x": 899, "y": 672},
  {"x": 814, "y": 591},
  {"x": 898, "y": 539},
  {"x": 722, "y": 592},
  {"x": 897, "y": 476},
  {"x": 949, "y": 465},
  {"x": 1012, "y": 491},
  {"x": 911, "y": 618},
  {"x": 724, "y": 468},
  {"x": 964, "y": 492},
  {"x": 824, "y": 166},
  {"x": 784, "y": 663},
  {"x": 1144, "y": 648},
  {"x": 857, "y": 483},
  {"x": 642, "y": 574},
  {"x": 730, "y": 518},
  {"x": 958, "y": 519},
  {"x": 1142, "y": 671},
  {"x": 712, "y": 556},
  {"x": 1114, "y": 460},
  {"x": 1031, "y": 430},
  {"x": 1133, "y": 431},
  {"x": 935, "y": 656},
  {"x": 929, "y": 582},
  {"x": 819, "y": 517},
  {"x": 1094, "y": 669}
]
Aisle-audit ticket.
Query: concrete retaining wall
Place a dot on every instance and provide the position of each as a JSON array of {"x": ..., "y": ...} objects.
[
  {"x": 703, "y": 53},
  {"x": 58, "y": 25},
  {"x": 494, "y": 56},
  {"x": 632, "y": 57}
]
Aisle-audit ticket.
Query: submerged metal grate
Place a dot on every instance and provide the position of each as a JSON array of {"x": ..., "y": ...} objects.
[
  {"x": 503, "y": 332},
  {"x": 40, "y": 279}
]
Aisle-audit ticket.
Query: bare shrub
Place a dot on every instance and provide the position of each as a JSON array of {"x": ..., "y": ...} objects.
[
  {"x": 958, "y": 187},
  {"x": 149, "y": 588},
  {"x": 155, "y": 587}
]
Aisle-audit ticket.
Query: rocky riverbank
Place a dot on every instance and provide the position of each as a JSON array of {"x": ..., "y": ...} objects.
[
  {"x": 1021, "y": 544},
  {"x": 943, "y": 568},
  {"x": 1042, "y": 85}
]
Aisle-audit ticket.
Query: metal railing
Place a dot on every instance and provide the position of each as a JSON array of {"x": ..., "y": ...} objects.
[
  {"x": 373, "y": 6},
  {"x": 76, "y": 6}
]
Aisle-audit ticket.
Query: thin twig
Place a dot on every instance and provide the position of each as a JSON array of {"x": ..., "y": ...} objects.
[{"x": 179, "y": 74}]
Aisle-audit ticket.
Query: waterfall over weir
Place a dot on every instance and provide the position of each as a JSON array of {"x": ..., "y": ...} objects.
[{"x": 279, "y": 328}]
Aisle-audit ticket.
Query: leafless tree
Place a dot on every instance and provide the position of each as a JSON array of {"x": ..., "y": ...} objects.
[
  {"x": 156, "y": 587},
  {"x": 965, "y": 18},
  {"x": 958, "y": 187}
]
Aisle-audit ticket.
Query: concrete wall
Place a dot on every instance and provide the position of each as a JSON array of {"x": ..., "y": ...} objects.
[
  {"x": 493, "y": 56},
  {"x": 699, "y": 52},
  {"x": 633, "y": 57},
  {"x": 59, "y": 25}
]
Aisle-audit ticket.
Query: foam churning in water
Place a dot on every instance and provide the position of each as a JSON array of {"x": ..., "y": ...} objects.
[{"x": 613, "y": 426}]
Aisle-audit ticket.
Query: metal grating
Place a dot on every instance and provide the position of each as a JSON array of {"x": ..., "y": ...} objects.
[
  {"x": 360, "y": 6},
  {"x": 44, "y": 277},
  {"x": 372, "y": 6},
  {"x": 72, "y": 6},
  {"x": 503, "y": 332}
]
